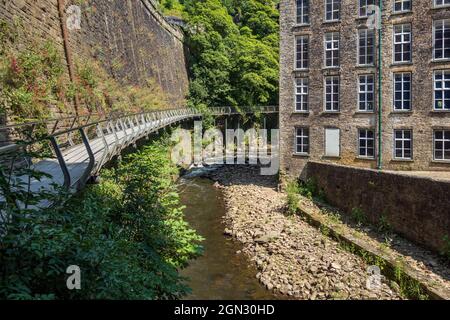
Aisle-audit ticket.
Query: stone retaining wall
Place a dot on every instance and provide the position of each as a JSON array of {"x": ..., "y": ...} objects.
[
  {"x": 130, "y": 38},
  {"x": 417, "y": 208}
]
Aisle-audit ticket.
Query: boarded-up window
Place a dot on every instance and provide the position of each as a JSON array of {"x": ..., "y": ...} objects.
[{"x": 332, "y": 142}]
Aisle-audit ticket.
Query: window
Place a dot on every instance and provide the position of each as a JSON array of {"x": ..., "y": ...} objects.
[
  {"x": 332, "y": 142},
  {"x": 403, "y": 144},
  {"x": 332, "y": 49},
  {"x": 332, "y": 8},
  {"x": 302, "y": 52},
  {"x": 440, "y": 3},
  {"x": 366, "y": 92},
  {"x": 301, "y": 94},
  {"x": 441, "y": 42},
  {"x": 442, "y": 90},
  {"x": 366, "y": 45},
  {"x": 364, "y": 9},
  {"x": 402, "y": 43},
  {"x": 402, "y": 91},
  {"x": 402, "y": 5},
  {"x": 302, "y": 140},
  {"x": 366, "y": 143},
  {"x": 441, "y": 141},
  {"x": 332, "y": 94},
  {"x": 302, "y": 11}
]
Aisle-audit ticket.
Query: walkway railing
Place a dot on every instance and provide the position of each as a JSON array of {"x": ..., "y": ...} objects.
[{"x": 77, "y": 148}]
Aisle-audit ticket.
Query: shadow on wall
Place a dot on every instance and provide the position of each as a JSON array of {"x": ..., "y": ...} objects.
[{"x": 417, "y": 208}]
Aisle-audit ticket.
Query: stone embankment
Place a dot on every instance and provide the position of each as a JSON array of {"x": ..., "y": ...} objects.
[{"x": 292, "y": 257}]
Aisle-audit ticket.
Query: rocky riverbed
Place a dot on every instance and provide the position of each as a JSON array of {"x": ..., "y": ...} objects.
[{"x": 292, "y": 257}]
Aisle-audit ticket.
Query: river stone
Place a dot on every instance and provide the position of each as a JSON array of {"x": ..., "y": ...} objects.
[
  {"x": 301, "y": 261},
  {"x": 335, "y": 265},
  {"x": 268, "y": 237},
  {"x": 313, "y": 269}
]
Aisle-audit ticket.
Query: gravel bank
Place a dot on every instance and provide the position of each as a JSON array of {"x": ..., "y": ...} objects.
[{"x": 292, "y": 257}]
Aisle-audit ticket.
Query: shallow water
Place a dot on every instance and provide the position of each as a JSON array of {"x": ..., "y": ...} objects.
[{"x": 220, "y": 274}]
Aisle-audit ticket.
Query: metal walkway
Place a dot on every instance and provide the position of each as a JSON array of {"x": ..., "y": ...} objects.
[{"x": 81, "y": 146}]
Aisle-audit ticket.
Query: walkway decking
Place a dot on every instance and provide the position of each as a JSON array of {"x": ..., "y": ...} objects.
[
  {"x": 75, "y": 162},
  {"x": 77, "y": 158}
]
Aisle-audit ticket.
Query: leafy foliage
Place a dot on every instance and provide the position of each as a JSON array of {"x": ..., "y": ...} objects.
[
  {"x": 172, "y": 8},
  {"x": 233, "y": 51},
  {"x": 34, "y": 81},
  {"x": 359, "y": 216},
  {"x": 99, "y": 92},
  {"x": 445, "y": 252},
  {"x": 292, "y": 197},
  {"x": 127, "y": 235}
]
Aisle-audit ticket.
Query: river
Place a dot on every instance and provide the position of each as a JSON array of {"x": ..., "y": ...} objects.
[{"x": 220, "y": 273}]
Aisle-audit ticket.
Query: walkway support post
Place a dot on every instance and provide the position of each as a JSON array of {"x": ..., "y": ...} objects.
[
  {"x": 62, "y": 162},
  {"x": 91, "y": 155}
]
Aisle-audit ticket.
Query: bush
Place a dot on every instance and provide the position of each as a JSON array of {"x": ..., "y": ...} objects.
[
  {"x": 292, "y": 191},
  {"x": 127, "y": 235},
  {"x": 359, "y": 216},
  {"x": 234, "y": 51},
  {"x": 31, "y": 81},
  {"x": 445, "y": 252},
  {"x": 384, "y": 225}
]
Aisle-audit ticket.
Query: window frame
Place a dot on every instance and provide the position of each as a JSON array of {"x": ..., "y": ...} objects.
[
  {"x": 402, "y": 92},
  {"x": 443, "y": 145},
  {"x": 366, "y": 48},
  {"x": 403, "y": 158},
  {"x": 333, "y": 10},
  {"x": 365, "y": 8},
  {"x": 302, "y": 94},
  {"x": 302, "y": 10},
  {"x": 402, "y": 5},
  {"x": 434, "y": 40},
  {"x": 440, "y": 5},
  {"x": 443, "y": 71},
  {"x": 332, "y": 50},
  {"x": 303, "y": 53},
  {"x": 302, "y": 136},
  {"x": 366, "y": 92},
  {"x": 325, "y": 155},
  {"x": 332, "y": 93},
  {"x": 402, "y": 43},
  {"x": 366, "y": 146}
]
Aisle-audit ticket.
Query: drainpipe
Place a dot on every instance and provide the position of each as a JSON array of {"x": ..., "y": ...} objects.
[
  {"x": 68, "y": 52},
  {"x": 380, "y": 96}
]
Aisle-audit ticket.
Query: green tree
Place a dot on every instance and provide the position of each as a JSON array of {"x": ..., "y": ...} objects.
[{"x": 233, "y": 52}]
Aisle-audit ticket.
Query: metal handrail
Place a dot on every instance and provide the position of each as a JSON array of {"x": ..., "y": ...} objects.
[
  {"x": 228, "y": 109},
  {"x": 141, "y": 124},
  {"x": 77, "y": 119},
  {"x": 132, "y": 126}
]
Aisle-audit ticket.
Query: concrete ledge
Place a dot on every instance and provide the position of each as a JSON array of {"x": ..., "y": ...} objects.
[{"x": 388, "y": 258}]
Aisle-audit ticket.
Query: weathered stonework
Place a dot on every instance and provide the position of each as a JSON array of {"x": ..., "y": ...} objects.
[
  {"x": 130, "y": 38},
  {"x": 415, "y": 207},
  {"x": 422, "y": 120}
]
